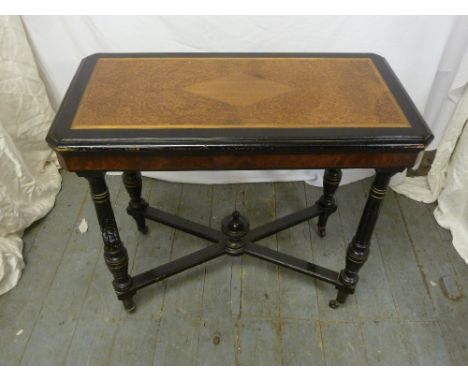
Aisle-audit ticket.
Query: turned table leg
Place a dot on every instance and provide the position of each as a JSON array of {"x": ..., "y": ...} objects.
[
  {"x": 137, "y": 205},
  {"x": 115, "y": 254},
  {"x": 358, "y": 250},
  {"x": 331, "y": 181}
]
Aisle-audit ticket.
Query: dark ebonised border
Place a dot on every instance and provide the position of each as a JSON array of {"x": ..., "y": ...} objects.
[{"x": 62, "y": 138}]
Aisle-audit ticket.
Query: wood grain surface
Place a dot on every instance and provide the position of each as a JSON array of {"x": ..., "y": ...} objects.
[{"x": 239, "y": 92}]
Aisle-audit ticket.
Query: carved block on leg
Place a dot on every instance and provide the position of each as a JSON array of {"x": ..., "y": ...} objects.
[
  {"x": 115, "y": 253},
  {"x": 137, "y": 205},
  {"x": 116, "y": 258},
  {"x": 327, "y": 202}
]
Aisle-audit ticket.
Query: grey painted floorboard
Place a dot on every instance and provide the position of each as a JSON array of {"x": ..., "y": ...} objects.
[
  {"x": 260, "y": 283},
  {"x": 427, "y": 344},
  {"x": 217, "y": 337},
  {"x": 299, "y": 334},
  {"x": 343, "y": 343},
  {"x": 403, "y": 273},
  {"x": 182, "y": 307},
  {"x": 432, "y": 257},
  {"x": 438, "y": 265},
  {"x": 260, "y": 297},
  {"x": 96, "y": 324},
  {"x": 386, "y": 343},
  {"x": 410, "y": 306},
  {"x": 55, "y": 328},
  {"x": 298, "y": 293},
  {"x": 455, "y": 326},
  {"x": 330, "y": 252},
  {"x": 135, "y": 337},
  {"x": 301, "y": 343},
  {"x": 22, "y": 307},
  {"x": 259, "y": 341}
]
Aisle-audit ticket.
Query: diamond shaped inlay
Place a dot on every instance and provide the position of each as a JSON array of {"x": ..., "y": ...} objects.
[{"x": 238, "y": 89}]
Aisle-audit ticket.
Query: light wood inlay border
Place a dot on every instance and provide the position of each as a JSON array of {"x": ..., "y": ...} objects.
[{"x": 108, "y": 104}]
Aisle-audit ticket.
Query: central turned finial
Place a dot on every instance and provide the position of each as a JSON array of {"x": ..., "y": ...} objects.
[
  {"x": 235, "y": 224},
  {"x": 235, "y": 227}
]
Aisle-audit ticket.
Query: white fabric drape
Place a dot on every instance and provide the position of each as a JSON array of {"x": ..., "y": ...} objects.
[
  {"x": 415, "y": 46},
  {"x": 447, "y": 181},
  {"x": 29, "y": 179}
]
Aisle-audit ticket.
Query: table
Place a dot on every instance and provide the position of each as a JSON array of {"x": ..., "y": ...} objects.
[{"x": 235, "y": 111}]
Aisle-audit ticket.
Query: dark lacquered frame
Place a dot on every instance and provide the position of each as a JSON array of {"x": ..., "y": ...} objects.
[
  {"x": 235, "y": 237},
  {"x": 90, "y": 153}
]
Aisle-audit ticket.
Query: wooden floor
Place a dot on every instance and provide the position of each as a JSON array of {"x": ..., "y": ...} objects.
[{"x": 410, "y": 306}]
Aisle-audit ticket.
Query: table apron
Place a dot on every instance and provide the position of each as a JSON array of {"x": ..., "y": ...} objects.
[{"x": 140, "y": 161}]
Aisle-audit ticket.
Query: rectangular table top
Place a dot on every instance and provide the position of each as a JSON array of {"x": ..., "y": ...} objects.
[
  {"x": 245, "y": 92},
  {"x": 236, "y": 101}
]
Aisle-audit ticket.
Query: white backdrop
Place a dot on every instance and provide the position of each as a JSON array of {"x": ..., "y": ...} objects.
[{"x": 425, "y": 52}]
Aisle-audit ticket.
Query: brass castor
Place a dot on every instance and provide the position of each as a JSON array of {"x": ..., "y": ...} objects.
[
  {"x": 144, "y": 230},
  {"x": 322, "y": 231},
  {"x": 333, "y": 304},
  {"x": 129, "y": 305}
]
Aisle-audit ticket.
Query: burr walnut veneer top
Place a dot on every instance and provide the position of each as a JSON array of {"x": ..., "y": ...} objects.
[{"x": 244, "y": 92}]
